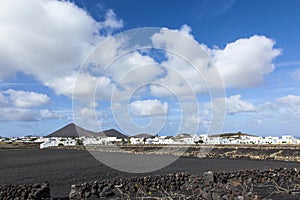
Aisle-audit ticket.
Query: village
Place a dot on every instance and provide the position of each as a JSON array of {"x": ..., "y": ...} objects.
[{"x": 182, "y": 139}]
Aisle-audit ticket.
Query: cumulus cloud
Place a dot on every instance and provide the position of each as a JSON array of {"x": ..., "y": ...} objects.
[
  {"x": 284, "y": 110},
  {"x": 121, "y": 78},
  {"x": 26, "y": 99},
  {"x": 24, "y": 114},
  {"x": 58, "y": 40},
  {"x": 181, "y": 79},
  {"x": 148, "y": 108},
  {"x": 19, "y": 105},
  {"x": 90, "y": 117},
  {"x": 48, "y": 39},
  {"x": 244, "y": 63},
  {"x": 48, "y": 114},
  {"x": 111, "y": 21},
  {"x": 3, "y": 100},
  {"x": 52, "y": 46},
  {"x": 186, "y": 63},
  {"x": 83, "y": 86},
  {"x": 90, "y": 112},
  {"x": 133, "y": 69},
  {"x": 288, "y": 106},
  {"x": 289, "y": 100},
  {"x": 235, "y": 104}
]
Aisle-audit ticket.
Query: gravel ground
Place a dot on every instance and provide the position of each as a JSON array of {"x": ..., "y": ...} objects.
[{"x": 62, "y": 168}]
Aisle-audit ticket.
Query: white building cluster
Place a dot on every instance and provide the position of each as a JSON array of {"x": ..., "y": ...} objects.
[
  {"x": 214, "y": 140},
  {"x": 183, "y": 139},
  {"x": 58, "y": 141}
]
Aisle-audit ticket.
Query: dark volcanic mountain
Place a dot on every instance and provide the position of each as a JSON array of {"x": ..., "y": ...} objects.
[
  {"x": 71, "y": 130},
  {"x": 112, "y": 133},
  {"x": 143, "y": 135}
]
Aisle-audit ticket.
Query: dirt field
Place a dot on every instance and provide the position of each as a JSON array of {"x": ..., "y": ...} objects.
[{"x": 62, "y": 167}]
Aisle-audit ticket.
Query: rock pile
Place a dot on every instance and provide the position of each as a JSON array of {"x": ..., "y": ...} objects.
[
  {"x": 279, "y": 183},
  {"x": 28, "y": 191},
  {"x": 241, "y": 185}
]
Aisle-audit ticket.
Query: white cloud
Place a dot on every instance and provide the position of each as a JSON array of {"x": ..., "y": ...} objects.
[
  {"x": 111, "y": 21},
  {"x": 234, "y": 104},
  {"x": 62, "y": 35},
  {"x": 89, "y": 112},
  {"x": 47, "y": 114},
  {"x": 134, "y": 69},
  {"x": 181, "y": 79},
  {"x": 3, "y": 100},
  {"x": 121, "y": 78},
  {"x": 24, "y": 114},
  {"x": 193, "y": 120},
  {"x": 289, "y": 100},
  {"x": 87, "y": 86},
  {"x": 26, "y": 99},
  {"x": 170, "y": 39},
  {"x": 281, "y": 110},
  {"x": 48, "y": 39},
  {"x": 89, "y": 116},
  {"x": 288, "y": 106},
  {"x": 19, "y": 105},
  {"x": 186, "y": 64},
  {"x": 149, "y": 108},
  {"x": 244, "y": 63}
]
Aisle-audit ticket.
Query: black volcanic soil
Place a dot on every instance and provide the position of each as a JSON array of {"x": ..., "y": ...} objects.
[{"x": 63, "y": 167}]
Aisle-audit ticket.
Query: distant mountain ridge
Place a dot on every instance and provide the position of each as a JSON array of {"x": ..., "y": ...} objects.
[
  {"x": 144, "y": 135},
  {"x": 112, "y": 133},
  {"x": 238, "y": 134},
  {"x": 72, "y": 130}
]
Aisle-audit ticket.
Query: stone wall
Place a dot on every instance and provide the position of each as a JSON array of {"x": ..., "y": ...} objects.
[
  {"x": 249, "y": 184},
  {"x": 25, "y": 191},
  {"x": 282, "y": 183}
]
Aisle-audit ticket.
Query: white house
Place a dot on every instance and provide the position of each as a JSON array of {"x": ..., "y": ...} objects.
[
  {"x": 57, "y": 141},
  {"x": 41, "y": 139},
  {"x": 213, "y": 140},
  {"x": 204, "y": 138},
  {"x": 225, "y": 141},
  {"x": 99, "y": 140},
  {"x": 134, "y": 140},
  {"x": 270, "y": 140},
  {"x": 288, "y": 139}
]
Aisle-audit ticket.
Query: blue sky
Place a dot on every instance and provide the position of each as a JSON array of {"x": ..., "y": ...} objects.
[{"x": 253, "y": 44}]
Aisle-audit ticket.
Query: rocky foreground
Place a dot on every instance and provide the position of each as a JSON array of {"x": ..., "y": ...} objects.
[{"x": 279, "y": 183}]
